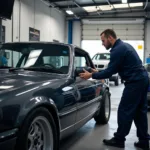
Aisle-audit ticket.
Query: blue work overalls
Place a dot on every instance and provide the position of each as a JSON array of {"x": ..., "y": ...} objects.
[{"x": 133, "y": 105}]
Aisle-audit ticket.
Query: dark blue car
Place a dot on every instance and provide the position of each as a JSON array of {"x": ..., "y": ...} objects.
[{"x": 42, "y": 97}]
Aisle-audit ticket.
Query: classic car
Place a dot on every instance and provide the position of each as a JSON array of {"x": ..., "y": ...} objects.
[{"x": 42, "y": 97}]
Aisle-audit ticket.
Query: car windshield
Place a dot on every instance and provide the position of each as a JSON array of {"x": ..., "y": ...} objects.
[
  {"x": 147, "y": 67},
  {"x": 102, "y": 56},
  {"x": 52, "y": 57}
]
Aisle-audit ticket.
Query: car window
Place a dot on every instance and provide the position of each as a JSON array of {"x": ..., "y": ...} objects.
[
  {"x": 35, "y": 55},
  {"x": 81, "y": 59},
  {"x": 95, "y": 57},
  {"x": 104, "y": 56}
]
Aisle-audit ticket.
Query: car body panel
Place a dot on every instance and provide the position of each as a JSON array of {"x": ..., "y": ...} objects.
[{"x": 73, "y": 99}]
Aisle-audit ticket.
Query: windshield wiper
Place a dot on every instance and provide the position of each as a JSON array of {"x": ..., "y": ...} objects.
[
  {"x": 4, "y": 67},
  {"x": 47, "y": 69},
  {"x": 14, "y": 69}
]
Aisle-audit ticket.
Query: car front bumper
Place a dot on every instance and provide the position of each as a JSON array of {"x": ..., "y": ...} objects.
[{"x": 8, "y": 140}]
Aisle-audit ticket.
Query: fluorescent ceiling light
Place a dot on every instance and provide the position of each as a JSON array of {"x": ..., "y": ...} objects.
[
  {"x": 135, "y": 4},
  {"x": 106, "y": 7},
  {"x": 124, "y": 1},
  {"x": 90, "y": 9},
  {"x": 121, "y": 5},
  {"x": 69, "y": 12}
]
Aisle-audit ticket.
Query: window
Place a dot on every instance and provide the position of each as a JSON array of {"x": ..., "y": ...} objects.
[
  {"x": 80, "y": 58},
  {"x": 103, "y": 56},
  {"x": 26, "y": 55},
  {"x": 80, "y": 61},
  {"x": 95, "y": 57}
]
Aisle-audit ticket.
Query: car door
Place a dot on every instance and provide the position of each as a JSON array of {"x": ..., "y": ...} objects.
[
  {"x": 64, "y": 92},
  {"x": 89, "y": 101},
  {"x": 67, "y": 113}
]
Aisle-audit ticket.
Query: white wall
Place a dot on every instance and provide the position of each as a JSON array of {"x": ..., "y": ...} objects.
[
  {"x": 35, "y": 14},
  {"x": 76, "y": 33},
  {"x": 147, "y": 38},
  {"x": 145, "y": 46},
  {"x": 95, "y": 46},
  {"x": 76, "y": 39}
]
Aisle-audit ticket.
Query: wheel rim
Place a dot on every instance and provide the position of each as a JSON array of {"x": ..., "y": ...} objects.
[
  {"x": 107, "y": 106},
  {"x": 40, "y": 135}
]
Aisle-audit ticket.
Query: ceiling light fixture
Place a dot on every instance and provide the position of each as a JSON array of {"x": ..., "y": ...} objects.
[
  {"x": 124, "y": 1},
  {"x": 135, "y": 4},
  {"x": 69, "y": 12},
  {"x": 90, "y": 8}
]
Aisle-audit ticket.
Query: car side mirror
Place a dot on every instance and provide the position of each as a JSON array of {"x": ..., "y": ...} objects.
[{"x": 79, "y": 70}]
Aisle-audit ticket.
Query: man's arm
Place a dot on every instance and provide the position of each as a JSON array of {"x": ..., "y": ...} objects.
[{"x": 113, "y": 66}]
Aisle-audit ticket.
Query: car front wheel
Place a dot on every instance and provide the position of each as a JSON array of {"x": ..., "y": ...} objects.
[
  {"x": 103, "y": 115},
  {"x": 38, "y": 132}
]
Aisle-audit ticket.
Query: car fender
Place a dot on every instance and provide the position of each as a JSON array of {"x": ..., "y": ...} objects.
[{"x": 36, "y": 102}]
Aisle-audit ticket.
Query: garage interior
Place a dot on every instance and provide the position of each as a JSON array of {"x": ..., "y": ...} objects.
[{"x": 80, "y": 22}]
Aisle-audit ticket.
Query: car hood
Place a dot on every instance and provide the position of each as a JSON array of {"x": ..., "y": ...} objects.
[{"x": 18, "y": 80}]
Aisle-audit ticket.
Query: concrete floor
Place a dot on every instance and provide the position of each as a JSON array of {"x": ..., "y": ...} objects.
[{"x": 90, "y": 136}]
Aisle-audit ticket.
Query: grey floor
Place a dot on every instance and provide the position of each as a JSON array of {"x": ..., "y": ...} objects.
[{"x": 90, "y": 136}]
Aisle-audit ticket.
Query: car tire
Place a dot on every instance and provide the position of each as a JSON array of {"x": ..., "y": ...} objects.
[
  {"x": 117, "y": 81},
  {"x": 38, "y": 130},
  {"x": 103, "y": 114}
]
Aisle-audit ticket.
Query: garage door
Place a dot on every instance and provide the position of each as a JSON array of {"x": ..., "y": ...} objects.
[{"x": 124, "y": 31}]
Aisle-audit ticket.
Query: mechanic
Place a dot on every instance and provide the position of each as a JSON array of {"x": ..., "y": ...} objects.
[{"x": 133, "y": 105}]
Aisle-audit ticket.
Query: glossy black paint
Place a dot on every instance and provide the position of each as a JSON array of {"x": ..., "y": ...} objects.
[{"x": 73, "y": 99}]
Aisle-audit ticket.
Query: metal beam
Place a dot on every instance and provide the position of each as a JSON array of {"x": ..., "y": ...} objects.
[
  {"x": 93, "y": 4},
  {"x": 110, "y": 4},
  {"x": 129, "y": 1},
  {"x": 123, "y": 14},
  {"x": 85, "y": 5},
  {"x": 79, "y": 6}
]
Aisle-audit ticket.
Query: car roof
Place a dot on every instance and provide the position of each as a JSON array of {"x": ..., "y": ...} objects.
[
  {"x": 37, "y": 42},
  {"x": 103, "y": 53},
  {"x": 46, "y": 42}
]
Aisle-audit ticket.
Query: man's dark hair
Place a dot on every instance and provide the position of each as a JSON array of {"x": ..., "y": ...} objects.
[{"x": 109, "y": 32}]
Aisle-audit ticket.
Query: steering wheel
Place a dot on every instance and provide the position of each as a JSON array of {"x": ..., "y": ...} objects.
[{"x": 49, "y": 65}]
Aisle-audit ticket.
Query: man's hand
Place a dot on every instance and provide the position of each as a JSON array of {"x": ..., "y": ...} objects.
[
  {"x": 94, "y": 70},
  {"x": 85, "y": 75}
]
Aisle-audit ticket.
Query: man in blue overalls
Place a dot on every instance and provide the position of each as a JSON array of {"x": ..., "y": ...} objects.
[{"x": 133, "y": 104}]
